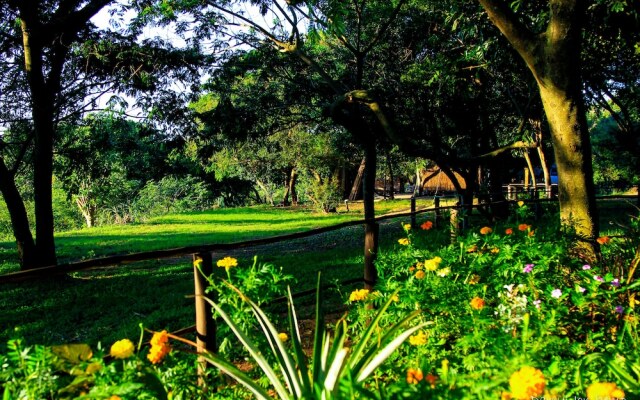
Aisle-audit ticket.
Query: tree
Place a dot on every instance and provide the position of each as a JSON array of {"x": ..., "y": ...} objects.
[
  {"x": 48, "y": 31},
  {"x": 106, "y": 160},
  {"x": 552, "y": 56},
  {"x": 55, "y": 65}
]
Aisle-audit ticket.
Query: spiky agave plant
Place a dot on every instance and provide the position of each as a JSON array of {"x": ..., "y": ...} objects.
[{"x": 332, "y": 362}]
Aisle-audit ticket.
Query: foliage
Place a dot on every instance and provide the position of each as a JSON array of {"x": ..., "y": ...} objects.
[
  {"x": 262, "y": 282},
  {"x": 73, "y": 371},
  {"x": 334, "y": 370},
  {"x": 171, "y": 194},
  {"x": 501, "y": 300}
]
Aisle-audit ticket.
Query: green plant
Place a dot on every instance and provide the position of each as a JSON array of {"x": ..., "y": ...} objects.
[{"x": 335, "y": 370}]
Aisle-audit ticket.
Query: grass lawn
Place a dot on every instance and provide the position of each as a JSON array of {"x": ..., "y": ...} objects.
[{"x": 108, "y": 304}]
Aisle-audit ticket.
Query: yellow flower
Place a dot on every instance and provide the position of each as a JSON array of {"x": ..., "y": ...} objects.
[
  {"x": 526, "y": 383},
  {"x": 227, "y": 262},
  {"x": 495, "y": 250},
  {"x": 419, "y": 266},
  {"x": 485, "y": 230},
  {"x": 420, "y": 275},
  {"x": 406, "y": 227},
  {"x": 432, "y": 264},
  {"x": 359, "y": 294},
  {"x": 414, "y": 375},
  {"x": 443, "y": 272},
  {"x": 418, "y": 339},
  {"x": 505, "y": 396},
  {"x": 114, "y": 397},
  {"x": 283, "y": 336},
  {"x": 477, "y": 303},
  {"x": 159, "y": 347},
  {"x": 122, "y": 349},
  {"x": 403, "y": 241},
  {"x": 395, "y": 298},
  {"x": 197, "y": 262},
  {"x": 520, "y": 203},
  {"x": 604, "y": 391}
]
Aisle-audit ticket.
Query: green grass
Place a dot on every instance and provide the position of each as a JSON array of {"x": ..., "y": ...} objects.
[{"x": 108, "y": 304}]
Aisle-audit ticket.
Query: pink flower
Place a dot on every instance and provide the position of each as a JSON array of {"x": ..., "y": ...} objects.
[
  {"x": 527, "y": 268},
  {"x": 615, "y": 283},
  {"x": 619, "y": 309},
  {"x": 598, "y": 278},
  {"x": 581, "y": 289},
  {"x": 586, "y": 267},
  {"x": 537, "y": 303}
]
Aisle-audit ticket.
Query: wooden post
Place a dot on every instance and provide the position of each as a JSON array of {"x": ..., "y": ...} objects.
[
  {"x": 455, "y": 225},
  {"x": 413, "y": 212},
  {"x": 371, "y": 230},
  {"x": 205, "y": 324},
  {"x": 436, "y": 205}
]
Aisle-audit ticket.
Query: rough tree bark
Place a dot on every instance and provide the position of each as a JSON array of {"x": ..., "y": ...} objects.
[{"x": 553, "y": 58}]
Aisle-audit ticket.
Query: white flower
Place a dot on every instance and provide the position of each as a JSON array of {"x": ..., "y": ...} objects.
[{"x": 556, "y": 293}]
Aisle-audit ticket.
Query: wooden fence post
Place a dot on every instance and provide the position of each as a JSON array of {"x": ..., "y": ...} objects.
[
  {"x": 455, "y": 225},
  {"x": 436, "y": 205},
  {"x": 413, "y": 212},
  {"x": 371, "y": 231},
  {"x": 205, "y": 324}
]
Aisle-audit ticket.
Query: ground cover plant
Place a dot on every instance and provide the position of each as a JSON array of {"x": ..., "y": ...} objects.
[{"x": 509, "y": 312}]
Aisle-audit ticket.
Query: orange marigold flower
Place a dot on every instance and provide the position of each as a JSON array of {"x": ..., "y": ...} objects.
[
  {"x": 159, "y": 347},
  {"x": 523, "y": 227},
  {"x": 495, "y": 250},
  {"x": 420, "y": 275},
  {"x": 472, "y": 249},
  {"x": 414, "y": 375},
  {"x": 526, "y": 383},
  {"x": 531, "y": 233},
  {"x": 604, "y": 390},
  {"x": 603, "y": 240},
  {"x": 508, "y": 231},
  {"x": 431, "y": 379},
  {"x": 474, "y": 279},
  {"x": 505, "y": 396},
  {"x": 426, "y": 225},
  {"x": 485, "y": 230},
  {"x": 477, "y": 303},
  {"x": 412, "y": 268}
]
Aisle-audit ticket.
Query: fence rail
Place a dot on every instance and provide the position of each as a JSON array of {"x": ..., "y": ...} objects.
[{"x": 124, "y": 259}]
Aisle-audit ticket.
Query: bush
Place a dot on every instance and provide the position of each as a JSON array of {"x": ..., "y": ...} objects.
[{"x": 171, "y": 194}]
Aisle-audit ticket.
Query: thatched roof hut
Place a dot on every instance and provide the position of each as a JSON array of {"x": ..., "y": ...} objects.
[{"x": 436, "y": 181}]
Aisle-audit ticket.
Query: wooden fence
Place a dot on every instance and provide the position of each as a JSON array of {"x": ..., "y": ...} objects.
[{"x": 205, "y": 327}]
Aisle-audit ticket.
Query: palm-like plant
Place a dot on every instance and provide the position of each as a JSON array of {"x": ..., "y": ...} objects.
[{"x": 333, "y": 364}]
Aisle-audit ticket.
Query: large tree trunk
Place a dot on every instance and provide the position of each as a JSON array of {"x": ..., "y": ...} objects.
[
  {"x": 42, "y": 102},
  {"x": 554, "y": 60},
  {"x": 19, "y": 220},
  {"x": 572, "y": 147}
]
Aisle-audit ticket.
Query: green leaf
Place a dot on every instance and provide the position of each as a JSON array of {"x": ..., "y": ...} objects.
[{"x": 74, "y": 353}]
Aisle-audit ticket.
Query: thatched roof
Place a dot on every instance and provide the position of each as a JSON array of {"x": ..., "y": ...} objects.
[{"x": 434, "y": 180}]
